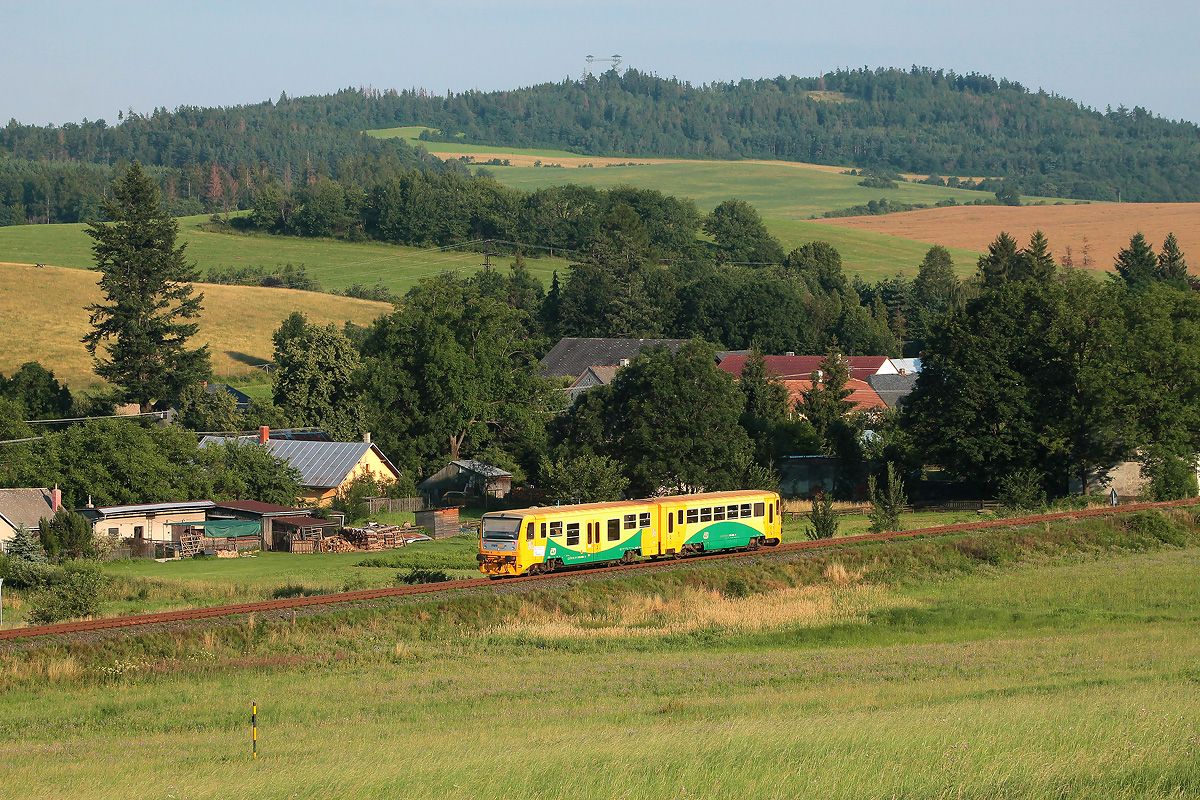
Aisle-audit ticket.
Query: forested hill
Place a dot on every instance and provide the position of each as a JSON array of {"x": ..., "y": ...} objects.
[
  {"x": 204, "y": 158},
  {"x": 921, "y": 120}
]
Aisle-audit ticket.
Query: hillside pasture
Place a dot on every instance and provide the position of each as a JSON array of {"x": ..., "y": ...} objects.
[
  {"x": 334, "y": 264},
  {"x": 43, "y": 319},
  {"x": 1105, "y": 227}
]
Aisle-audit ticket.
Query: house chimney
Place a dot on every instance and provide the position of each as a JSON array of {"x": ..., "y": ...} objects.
[
  {"x": 367, "y": 437},
  {"x": 264, "y": 434},
  {"x": 55, "y": 499}
]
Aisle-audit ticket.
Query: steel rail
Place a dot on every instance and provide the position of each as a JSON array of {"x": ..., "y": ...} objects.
[{"x": 291, "y": 603}]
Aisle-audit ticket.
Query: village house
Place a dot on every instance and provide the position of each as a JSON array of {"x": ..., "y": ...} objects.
[
  {"x": 25, "y": 508},
  {"x": 572, "y": 356},
  {"x": 324, "y": 467},
  {"x": 148, "y": 529}
]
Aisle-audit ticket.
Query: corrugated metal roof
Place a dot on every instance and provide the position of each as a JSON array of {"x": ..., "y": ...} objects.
[
  {"x": 148, "y": 508},
  {"x": 480, "y": 468},
  {"x": 322, "y": 465}
]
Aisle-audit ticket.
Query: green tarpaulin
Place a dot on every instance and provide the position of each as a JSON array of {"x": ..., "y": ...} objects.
[{"x": 224, "y": 528}]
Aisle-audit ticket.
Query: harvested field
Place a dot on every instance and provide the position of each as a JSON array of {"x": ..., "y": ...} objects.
[
  {"x": 1106, "y": 227},
  {"x": 237, "y": 321}
]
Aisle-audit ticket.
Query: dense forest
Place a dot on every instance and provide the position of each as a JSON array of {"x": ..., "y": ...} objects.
[{"x": 920, "y": 120}]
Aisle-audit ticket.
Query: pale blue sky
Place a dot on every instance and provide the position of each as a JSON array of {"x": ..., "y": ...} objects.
[{"x": 64, "y": 61}]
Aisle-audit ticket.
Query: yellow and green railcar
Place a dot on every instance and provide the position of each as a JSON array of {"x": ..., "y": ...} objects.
[{"x": 529, "y": 541}]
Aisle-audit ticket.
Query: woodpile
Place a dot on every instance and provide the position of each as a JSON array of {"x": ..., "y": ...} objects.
[
  {"x": 379, "y": 537},
  {"x": 336, "y": 544}
]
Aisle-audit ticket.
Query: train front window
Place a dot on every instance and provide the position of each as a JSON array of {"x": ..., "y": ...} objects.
[{"x": 501, "y": 528}]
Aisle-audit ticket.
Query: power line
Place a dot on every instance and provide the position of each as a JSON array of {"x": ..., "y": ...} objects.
[
  {"x": 19, "y": 441},
  {"x": 159, "y": 414}
]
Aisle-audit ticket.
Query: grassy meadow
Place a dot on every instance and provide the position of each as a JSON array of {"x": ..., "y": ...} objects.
[
  {"x": 334, "y": 264},
  {"x": 1044, "y": 663},
  {"x": 237, "y": 323}
]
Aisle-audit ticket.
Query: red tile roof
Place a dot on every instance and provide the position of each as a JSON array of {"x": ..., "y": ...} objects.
[
  {"x": 796, "y": 367},
  {"x": 862, "y": 395}
]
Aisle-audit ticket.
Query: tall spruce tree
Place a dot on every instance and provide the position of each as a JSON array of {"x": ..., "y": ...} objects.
[
  {"x": 1000, "y": 262},
  {"x": 766, "y": 406},
  {"x": 1137, "y": 264},
  {"x": 140, "y": 334},
  {"x": 1172, "y": 266},
  {"x": 1036, "y": 261}
]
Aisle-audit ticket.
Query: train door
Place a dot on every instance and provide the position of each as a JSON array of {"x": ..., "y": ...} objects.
[
  {"x": 651, "y": 538},
  {"x": 594, "y": 545}
]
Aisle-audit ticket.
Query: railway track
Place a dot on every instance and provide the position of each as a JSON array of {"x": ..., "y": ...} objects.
[{"x": 291, "y": 603}]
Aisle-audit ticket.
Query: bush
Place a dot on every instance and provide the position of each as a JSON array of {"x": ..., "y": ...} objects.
[
  {"x": 417, "y": 575},
  {"x": 887, "y": 503},
  {"x": 1022, "y": 491},
  {"x": 1168, "y": 476},
  {"x": 1154, "y": 524},
  {"x": 73, "y": 592},
  {"x": 824, "y": 521},
  {"x": 28, "y": 574}
]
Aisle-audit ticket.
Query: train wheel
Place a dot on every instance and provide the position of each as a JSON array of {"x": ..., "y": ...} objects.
[{"x": 754, "y": 543}]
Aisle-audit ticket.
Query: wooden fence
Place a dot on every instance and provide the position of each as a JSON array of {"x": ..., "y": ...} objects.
[{"x": 377, "y": 504}]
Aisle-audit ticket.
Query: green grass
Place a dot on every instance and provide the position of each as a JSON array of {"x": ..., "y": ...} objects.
[
  {"x": 334, "y": 264},
  {"x": 412, "y": 134},
  {"x": 1064, "y": 671}
]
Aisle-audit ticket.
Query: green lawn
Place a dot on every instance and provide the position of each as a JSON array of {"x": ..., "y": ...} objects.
[
  {"x": 334, "y": 264},
  {"x": 1069, "y": 673}
]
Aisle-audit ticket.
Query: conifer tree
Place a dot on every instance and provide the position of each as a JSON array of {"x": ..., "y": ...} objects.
[
  {"x": 766, "y": 405},
  {"x": 1000, "y": 262},
  {"x": 1036, "y": 261},
  {"x": 1137, "y": 264},
  {"x": 1172, "y": 266},
  {"x": 140, "y": 334},
  {"x": 25, "y": 546}
]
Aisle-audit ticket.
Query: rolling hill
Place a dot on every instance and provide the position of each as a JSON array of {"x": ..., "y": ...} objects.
[{"x": 47, "y": 303}]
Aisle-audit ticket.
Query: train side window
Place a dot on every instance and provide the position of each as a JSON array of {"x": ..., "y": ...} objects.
[
  {"x": 745, "y": 510},
  {"x": 614, "y": 530},
  {"x": 572, "y": 533},
  {"x": 731, "y": 512},
  {"x": 529, "y": 532},
  {"x": 556, "y": 529},
  {"x": 718, "y": 513},
  {"x": 770, "y": 512},
  {"x": 670, "y": 523},
  {"x": 680, "y": 513},
  {"x": 706, "y": 515},
  {"x": 542, "y": 532},
  {"x": 693, "y": 515},
  {"x": 630, "y": 521},
  {"x": 644, "y": 519},
  {"x": 759, "y": 509}
]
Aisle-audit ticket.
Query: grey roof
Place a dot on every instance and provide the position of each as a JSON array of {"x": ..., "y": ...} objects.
[
  {"x": 146, "y": 508},
  {"x": 241, "y": 398},
  {"x": 322, "y": 465},
  {"x": 480, "y": 468},
  {"x": 892, "y": 389},
  {"x": 25, "y": 507},
  {"x": 571, "y": 356}
]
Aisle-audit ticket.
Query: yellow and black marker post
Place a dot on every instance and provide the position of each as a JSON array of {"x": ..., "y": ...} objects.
[{"x": 254, "y": 731}]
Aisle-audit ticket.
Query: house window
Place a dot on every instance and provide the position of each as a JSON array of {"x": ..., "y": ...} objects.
[
  {"x": 614, "y": 530},
  {"x": 759, "y": 509},
  {"x": 644, "y": 519},
  {"x": 114, "y": 532},
  {"x": 572, "y": 533},
  {"x": 706, "y": 515},
  {"x": 630, "y": 521},
  {"x": 556, "y": 529},
  {"x": 693, "y": 515}
]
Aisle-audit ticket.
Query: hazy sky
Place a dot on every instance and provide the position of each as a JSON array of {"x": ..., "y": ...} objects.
[{"x": 66, "y": 61}]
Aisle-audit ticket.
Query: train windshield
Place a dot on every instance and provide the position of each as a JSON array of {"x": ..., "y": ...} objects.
[{"x": 501, "y": 528}]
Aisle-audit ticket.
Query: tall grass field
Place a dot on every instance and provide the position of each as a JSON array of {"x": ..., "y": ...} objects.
[{"x": 1055, "y": 662}]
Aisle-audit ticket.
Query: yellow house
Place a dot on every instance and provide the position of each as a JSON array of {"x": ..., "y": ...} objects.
[{"x": 324, "y": 467}]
